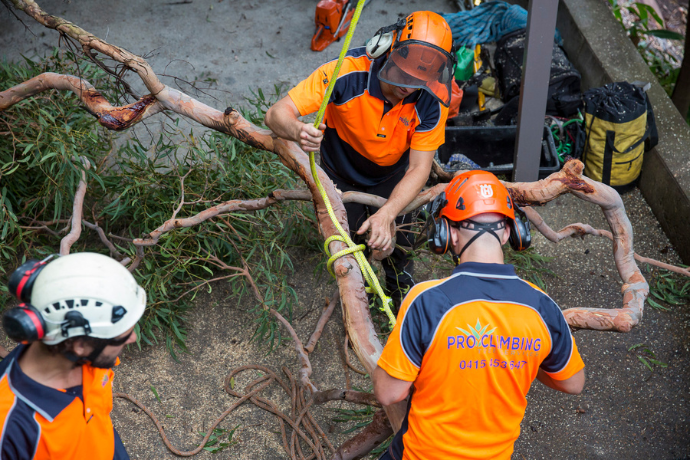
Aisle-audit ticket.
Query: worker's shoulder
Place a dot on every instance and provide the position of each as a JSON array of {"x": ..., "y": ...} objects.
[
  {"x": 426, "y": 288},
  {"x": 355, "y": 60},
  {"x": 19, "y": 427},
  {"x": 429, "y": 110}
]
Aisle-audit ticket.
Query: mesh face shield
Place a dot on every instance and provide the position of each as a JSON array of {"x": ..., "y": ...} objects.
[{"x": 420, "y": 65}]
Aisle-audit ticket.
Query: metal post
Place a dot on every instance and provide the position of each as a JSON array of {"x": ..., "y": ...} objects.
[{"x": 536, "y": 68}]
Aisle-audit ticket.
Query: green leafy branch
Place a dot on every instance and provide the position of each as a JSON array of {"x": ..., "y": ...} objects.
[{"x": 647, "y": 356}]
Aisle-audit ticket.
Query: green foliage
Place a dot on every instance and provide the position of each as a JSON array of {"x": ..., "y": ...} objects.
[
  {"x": 646, "y": 356},
  {"x": 39, "y": 138},
  {"x": 530, "y": 265},
  {"x": 664, "y": 66},
  {"x": 669, "y": 288},
  {"x": 155, "y": 393},
  {"x": 134, "y": 190},
  {"x": 214, "y": 444}
]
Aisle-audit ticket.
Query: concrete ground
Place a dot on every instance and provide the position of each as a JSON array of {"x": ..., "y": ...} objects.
[{"x": 625, "y": 412}]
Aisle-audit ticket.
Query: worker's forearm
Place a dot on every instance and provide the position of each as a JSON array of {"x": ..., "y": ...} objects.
[
  {"x": 572, "y": 385},
  {"x": 283, "y": 122},
  {"x": 406, "y": 190}
]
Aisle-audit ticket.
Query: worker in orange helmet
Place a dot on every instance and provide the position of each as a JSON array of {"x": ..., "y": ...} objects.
[
  {"x": 383, "y": 124},
  {"x": 473, "y": 343}
]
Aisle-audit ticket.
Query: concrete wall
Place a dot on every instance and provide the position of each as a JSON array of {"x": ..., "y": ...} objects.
[{"x": 597, "y": 45}]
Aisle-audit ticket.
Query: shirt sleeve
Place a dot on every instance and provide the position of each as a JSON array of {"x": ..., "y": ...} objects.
[
  {"x": 430, "y": 134},
  {"x": 19, "y": 439},
  {"x": 402, "y": 356},
  {"x": 564, "y": 360},
  {"x": 309, "y": 93}
]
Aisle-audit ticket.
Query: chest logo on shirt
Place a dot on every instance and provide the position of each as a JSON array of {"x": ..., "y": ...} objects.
[
  {"x": 484, "y": 340},
  {"x": 405, "y": 121},
  {"x": 105, "y": 380},
  {"x": 486, "y": 191}
]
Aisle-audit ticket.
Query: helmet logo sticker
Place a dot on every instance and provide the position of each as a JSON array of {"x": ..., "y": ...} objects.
[
  {"x": 118, "y": 313},
  {"x": 486, "y": 191}
]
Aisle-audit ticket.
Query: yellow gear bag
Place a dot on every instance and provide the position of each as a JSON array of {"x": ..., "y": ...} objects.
[{"x": 620, "y": 127}]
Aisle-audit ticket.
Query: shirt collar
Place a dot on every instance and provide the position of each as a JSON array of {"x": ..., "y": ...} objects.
[
  {"x": 374, "y": 85},
  {"x": 47, "y": 401},
  {"x": 488, "y": 270}
]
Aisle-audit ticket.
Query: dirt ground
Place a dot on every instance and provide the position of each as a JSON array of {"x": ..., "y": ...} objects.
[{"x": 625, "y": 411}]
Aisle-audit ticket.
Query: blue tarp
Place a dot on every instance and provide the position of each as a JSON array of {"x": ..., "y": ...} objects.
[{"x": 487, "y": 23}]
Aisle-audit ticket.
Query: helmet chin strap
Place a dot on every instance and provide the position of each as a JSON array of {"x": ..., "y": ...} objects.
[
  {"x": 96, "y": 352},
  {"x": 481, "y": 228},
  {"x": 81, "y": 360}
]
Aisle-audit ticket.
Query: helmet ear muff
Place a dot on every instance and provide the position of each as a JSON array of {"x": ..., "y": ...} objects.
[
  {"x": 21, "y": 282},
  {"x": 383, "y": 40},
  {"x": 520, "y": 237},
  {"x": 23, "y": 324},
  {"x": 439, "y": 236},
  {"x": 380, "y": 44}
]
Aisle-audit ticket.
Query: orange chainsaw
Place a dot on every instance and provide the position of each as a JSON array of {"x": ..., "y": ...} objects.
[{"x": 332, "y": 21}]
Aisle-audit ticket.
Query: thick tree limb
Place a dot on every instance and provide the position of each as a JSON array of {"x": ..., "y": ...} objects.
[
  {"x": 580, "y": 230},
  {"x": 352, "y": 396},
  {"x": 374, "y": 434},
  {"x": 114, "y": 118},
  {"x": 635, "y": 289}
]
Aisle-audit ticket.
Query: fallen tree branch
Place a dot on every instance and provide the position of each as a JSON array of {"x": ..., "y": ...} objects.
[
  {"x": 580, "y": 230},
  {"x": 346, "y": 353},
  {"x": 635, "y": 289},
  {"x": 229, "y": 206},
  {"x": 323, "y": 319},
  {"x": 114, "y": 118},
  {"x": 305, "y": 370},
  {"x": 77, "y": 209},
  {"x": 363, "y": 442},
  {"x": 357, "y": 397},
  {"x": 114, "y": 253}
]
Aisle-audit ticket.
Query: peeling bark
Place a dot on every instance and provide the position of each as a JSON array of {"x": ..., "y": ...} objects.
[{"x": 114, "y": 118}]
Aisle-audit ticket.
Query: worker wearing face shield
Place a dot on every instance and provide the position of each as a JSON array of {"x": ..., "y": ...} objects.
[{"x": 383, "y": 124}]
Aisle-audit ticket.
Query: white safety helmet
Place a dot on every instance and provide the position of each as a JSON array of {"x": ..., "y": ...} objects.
[{"x": 97, "y": 287}]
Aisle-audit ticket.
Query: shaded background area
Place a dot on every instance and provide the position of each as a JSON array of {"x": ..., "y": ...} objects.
[{"x": 234, "y": 47}]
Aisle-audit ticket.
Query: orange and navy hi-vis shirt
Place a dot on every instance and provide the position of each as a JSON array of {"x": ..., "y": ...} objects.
[
  {"x": 42, "y": 423},
  {"x": 472, "y": 344},
  {"x": 367, "y": 139}
]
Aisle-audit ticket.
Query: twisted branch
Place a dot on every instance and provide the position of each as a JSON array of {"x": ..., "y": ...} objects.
[
  {"x": 349, "y": 276},
  {"x": 77, "y": 208}
]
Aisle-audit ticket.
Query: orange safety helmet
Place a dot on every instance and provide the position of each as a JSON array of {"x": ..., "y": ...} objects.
[
  {"x": 421, "y": 55},
  {"x": 469, "y": 194},
  {"x": 476, "y": 192}
]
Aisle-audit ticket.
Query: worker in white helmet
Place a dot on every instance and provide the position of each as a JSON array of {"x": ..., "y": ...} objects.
[{"x": 77, "y": 314}]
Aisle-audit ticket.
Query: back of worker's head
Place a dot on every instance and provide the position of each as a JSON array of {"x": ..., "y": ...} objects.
[
  {"x": 79, "y": 295},
  {"x": 476, "y": 202},
  {"x": 420, "y": 54}
]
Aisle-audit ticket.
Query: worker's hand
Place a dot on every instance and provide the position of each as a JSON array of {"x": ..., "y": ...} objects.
[
  {"x": 310, "y": 138},
  {"x": 382, "y": 227}
]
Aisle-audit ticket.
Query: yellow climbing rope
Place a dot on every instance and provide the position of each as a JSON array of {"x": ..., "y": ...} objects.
[{"x": 344, "y": 236}]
